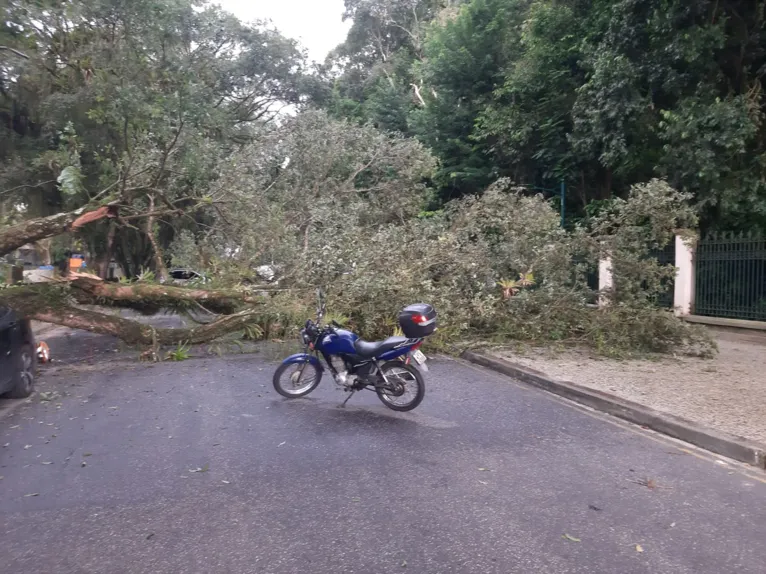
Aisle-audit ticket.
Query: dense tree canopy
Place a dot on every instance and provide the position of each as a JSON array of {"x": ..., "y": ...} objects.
[
  {"x": 150, "y": 133},
  {"x": 599, "y": 93},
  {"x": 131, "y": 101}
]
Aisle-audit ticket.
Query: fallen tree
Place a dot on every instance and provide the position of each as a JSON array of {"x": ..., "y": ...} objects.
[
  {"x": 61, "y": 303},
  {"x": 31, "y": 230},
  {"x": 57, "y": 301}
]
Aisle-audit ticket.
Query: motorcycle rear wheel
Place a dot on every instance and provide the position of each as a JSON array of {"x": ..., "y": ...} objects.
[{"x": 405, "y": 388}]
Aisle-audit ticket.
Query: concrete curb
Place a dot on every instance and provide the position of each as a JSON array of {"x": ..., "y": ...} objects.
[{"x": 731, "y": 446}]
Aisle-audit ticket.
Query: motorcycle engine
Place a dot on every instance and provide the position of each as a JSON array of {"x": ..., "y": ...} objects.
[{"x": 342, "y": 378}]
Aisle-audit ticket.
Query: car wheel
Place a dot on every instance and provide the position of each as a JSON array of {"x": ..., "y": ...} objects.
[{"x": 24, "y": 374}]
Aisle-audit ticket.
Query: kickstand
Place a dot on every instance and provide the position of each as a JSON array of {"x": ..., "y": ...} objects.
[{"x": 350, "y": 394}]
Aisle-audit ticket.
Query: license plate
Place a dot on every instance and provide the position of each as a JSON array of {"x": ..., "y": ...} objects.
[{"x": 419, "y": 357}]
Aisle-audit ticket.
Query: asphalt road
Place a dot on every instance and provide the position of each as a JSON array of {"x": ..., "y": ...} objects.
[{"x": 486, "y": 476}]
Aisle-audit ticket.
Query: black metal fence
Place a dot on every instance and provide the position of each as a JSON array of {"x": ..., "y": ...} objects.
[{"x": 731, "y": 276}]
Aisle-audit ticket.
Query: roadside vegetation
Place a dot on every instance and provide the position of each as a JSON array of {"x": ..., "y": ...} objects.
[{"x": 414, "y": 165}]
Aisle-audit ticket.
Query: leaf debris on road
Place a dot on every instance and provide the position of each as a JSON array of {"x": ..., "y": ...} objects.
[
  {"x": 639, "y": 548},
  {"x": 204, "y": 468},
  {"x": 31, "y": 494},
  {"x": 570, "y": 538},
  {"x": 649, "y": 483}
]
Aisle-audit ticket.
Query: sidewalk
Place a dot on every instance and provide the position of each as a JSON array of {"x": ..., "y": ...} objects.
[{"x": 727, "y": 393}]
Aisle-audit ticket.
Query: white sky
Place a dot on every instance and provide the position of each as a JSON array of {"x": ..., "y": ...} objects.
[{"x": 316, "y": 24}]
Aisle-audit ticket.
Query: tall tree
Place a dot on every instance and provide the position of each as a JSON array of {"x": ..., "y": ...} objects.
[
  {"x": 133, "y": 102},
  {"x": 602, "y": 94}
]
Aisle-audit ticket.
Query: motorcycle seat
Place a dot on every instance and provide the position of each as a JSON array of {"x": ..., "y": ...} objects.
[{"x": 373, "y": 349}]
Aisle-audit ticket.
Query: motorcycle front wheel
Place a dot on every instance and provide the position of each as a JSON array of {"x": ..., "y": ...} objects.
[
  {"x": 296, "y": 380},
  {"x": 403, "y": 387}
]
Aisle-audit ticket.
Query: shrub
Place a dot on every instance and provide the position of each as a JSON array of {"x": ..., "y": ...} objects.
[{"x": 339, "y": 206}]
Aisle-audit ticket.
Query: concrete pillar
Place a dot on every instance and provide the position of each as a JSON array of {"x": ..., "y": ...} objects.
[
  {"x": 683, "y": 295},
  {"x": 605, "y": 280}
]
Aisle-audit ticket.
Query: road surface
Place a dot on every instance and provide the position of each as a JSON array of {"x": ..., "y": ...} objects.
[{"x": 200, "y": 466}]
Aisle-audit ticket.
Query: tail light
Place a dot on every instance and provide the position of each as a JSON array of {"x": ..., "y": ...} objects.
[
  {"x": 420, "y": 320},
  {"x": 416, "y": 346}
]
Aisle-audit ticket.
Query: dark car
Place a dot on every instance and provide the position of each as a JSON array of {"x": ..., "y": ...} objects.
[
  {"x": 18, "y": 360},
  {"x": 185, "y": 276}
]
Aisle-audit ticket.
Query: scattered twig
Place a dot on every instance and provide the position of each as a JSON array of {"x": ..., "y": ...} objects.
[{"x": 15, "y": 51}]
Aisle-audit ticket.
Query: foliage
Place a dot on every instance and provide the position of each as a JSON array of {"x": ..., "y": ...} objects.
[
  {"x": 602, "y": 94},
  {"x": 345, "y": 213},
  {"x": 133, "y": 103},
  {"x": 180, "y": 353},
  {"x": 184, "y": 251},
  {"x": 253, "y": 332},
  {"x": 403, "y": 187}
]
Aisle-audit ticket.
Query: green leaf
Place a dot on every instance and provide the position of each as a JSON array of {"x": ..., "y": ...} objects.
[{"x": 70, "y": 180}]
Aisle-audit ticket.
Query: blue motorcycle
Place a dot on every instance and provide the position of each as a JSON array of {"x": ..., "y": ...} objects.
[{"x": 385, "y": 367}]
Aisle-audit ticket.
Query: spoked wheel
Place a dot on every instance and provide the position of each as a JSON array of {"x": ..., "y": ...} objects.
[
  {"x": 403, "y": 388},
  {"x": 296, "y": 379}
]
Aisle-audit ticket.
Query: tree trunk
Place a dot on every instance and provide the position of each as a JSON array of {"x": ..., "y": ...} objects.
[
  {"x": 106, "y": 258},
  {"x": 135, "y": 333},
  {"x": 167, "y": 295},
  {"x": 43, "y": 248},
  {"x": 31, "y": 230},
  {"x": 160, "y": 270},
  {"x": 48, "y": 303}
]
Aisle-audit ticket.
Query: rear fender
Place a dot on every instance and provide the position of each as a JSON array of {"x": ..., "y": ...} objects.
[{"x": 303, "y": 358}]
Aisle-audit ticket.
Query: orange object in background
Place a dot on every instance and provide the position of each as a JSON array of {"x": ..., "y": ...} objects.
[
  {"x": 76, "y": 263},
  {"x": 43, "y": 352}
]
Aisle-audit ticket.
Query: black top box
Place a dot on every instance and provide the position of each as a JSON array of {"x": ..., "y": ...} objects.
[{"x": 418, "y": 320}]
